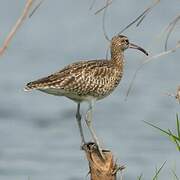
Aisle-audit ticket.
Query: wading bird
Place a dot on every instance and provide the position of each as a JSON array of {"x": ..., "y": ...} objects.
[{"x": 88, "y": 81}]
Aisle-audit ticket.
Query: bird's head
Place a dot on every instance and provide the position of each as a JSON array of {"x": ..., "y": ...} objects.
[{"x": 121, "y": 43}]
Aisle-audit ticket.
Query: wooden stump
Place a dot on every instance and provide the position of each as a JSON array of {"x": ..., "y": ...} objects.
[{"x": 100, "y": 169}]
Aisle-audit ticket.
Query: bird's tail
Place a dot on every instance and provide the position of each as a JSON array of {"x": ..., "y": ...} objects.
[{"x": 29, "y": 87}]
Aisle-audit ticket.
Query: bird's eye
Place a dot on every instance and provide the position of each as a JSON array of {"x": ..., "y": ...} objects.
[{"x": 127, "y": 41}]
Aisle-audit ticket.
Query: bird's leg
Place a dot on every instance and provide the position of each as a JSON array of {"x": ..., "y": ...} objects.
[
  {"x": 88, "y": 120},
  {"x": 78, "y": 118}
]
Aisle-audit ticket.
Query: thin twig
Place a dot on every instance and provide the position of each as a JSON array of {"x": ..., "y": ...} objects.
[
  {"x": 141, "y": 17},
  {"x": 35, "y": 9},
  {"x": 147, "y": 60},
  {"x": 16, "y": 26},
  {"x": 104, "y": 18},
  {"x": 170, "y": 28},
  {"x": 175, "y": 175},
  {"x": 108, "y": 2},
  {"x": 92, "y": 5}
]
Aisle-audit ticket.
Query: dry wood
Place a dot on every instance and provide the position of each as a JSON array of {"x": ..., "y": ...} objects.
[
  {"x": 16, "y": 26},
  {"x": 101, "y": 169}
]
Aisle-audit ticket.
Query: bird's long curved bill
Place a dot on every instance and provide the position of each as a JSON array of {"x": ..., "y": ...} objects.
[{"x": 134, "y": 46}]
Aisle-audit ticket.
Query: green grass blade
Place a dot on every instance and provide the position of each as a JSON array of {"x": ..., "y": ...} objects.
[
  {"x": 174, "y": 140},
  {"x": 158, "y": 172},
  {"x": 171, "y": 136},
  {"x": 175, "y": 175},
  {"x": 162, "y": 130},
  {"x": 152, "y": 125},
  {"x": 140, "y": 177},
  {"x": 178, "y": 126}
]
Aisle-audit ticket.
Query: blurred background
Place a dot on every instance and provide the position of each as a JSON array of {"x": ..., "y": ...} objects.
[{"x": 39, "y": 137}]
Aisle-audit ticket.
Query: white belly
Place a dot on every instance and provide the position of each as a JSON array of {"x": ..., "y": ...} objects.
[{"x": 72, "y": 96}]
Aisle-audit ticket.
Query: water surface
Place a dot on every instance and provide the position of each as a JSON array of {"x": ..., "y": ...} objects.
[{"x": 38, "y": 132}]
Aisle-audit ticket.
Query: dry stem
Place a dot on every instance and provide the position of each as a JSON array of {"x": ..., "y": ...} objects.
[
  {"x": 138, "y": 20},
  {"x": 101, "y": 169},
  {"x": 141, "y": 17},
  {"x": 92, "y": 5},
  {"x": 147, "y": 60},
  {"x": 35, "y": 9},
  {"x": 170, "y": 28},
  {"x": 108, "y": 2},
  {"x": 16, "y": 26}
]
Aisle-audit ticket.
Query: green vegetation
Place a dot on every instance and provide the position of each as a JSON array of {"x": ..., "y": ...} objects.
[
  {"x": 174, "y": 137},
  {"x": 157, "y": 174},
  {"x": 155, "y": 177}
]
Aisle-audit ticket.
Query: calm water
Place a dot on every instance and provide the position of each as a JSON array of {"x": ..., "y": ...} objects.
[{"x": 38, "y": 132}]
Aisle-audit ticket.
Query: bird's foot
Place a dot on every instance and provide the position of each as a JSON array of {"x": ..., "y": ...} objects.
[
  {"x": 83, "y": 143},
  {"x": 93, "y": 147},
  {"x": 100, "y": 152}
]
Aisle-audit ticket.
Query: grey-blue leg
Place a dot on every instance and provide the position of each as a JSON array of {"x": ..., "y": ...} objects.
[
  {"x": 88, "y": 119},
  {"x": 78, "y": 118}
]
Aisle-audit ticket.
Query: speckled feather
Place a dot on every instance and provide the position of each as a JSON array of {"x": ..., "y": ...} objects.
[
  {"x": 85, "y": 80},
  {"x": 96, "y": 78}
]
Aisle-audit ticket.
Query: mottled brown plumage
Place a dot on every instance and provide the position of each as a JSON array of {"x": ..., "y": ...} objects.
[
  {"x": 85, "y": 79},
  {"x": 88, "y": 80}
]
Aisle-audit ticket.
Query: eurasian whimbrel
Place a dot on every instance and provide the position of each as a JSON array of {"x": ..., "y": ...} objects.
[{"x": 88, "y": 80}]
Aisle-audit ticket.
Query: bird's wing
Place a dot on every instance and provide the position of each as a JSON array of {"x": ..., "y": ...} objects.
[{"x": 80, "y": 77}]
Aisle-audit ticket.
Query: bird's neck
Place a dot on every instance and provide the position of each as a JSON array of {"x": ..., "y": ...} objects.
[{"x": 117, "y": 57}]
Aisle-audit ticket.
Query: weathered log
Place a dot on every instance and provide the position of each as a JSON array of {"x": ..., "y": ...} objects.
[{"x": 101, "y": 169}]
